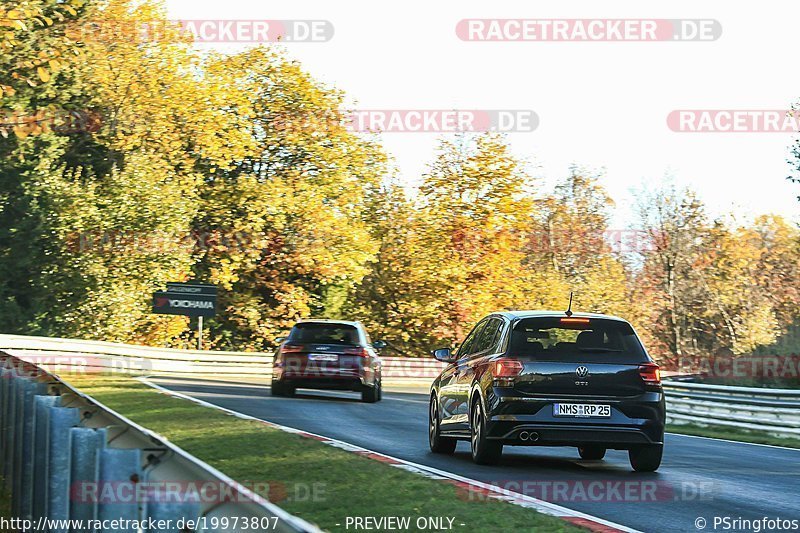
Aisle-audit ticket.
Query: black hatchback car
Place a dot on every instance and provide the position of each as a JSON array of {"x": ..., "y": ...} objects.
[
  {"x": 542, "y": 378},
  {"x": 328, "y": 354}
]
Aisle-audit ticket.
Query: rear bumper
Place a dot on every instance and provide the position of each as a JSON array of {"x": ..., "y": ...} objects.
[
  {"x": 325, "y": 383},
  {"x": 523, "y": 434},
  {"x": 530, "y": 421},
  {"x": 333, "y": 379}
]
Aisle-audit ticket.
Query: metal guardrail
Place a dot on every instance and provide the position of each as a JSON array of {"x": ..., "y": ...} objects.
[
  {"x": 97, "y": 356},
  {"x": 776, "y": 411},
  {"x": 65, "y": 456}
]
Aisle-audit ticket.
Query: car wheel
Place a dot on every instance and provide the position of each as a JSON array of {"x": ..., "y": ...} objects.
[
  {"x": 372, "y": 394},
  {"x": 438, "y": 443},
  {"x": 484, "y": 451},
  {"x": 592, "y": 452},
  {"x": 277, "y": 389},
  {"x": 646, "y": 458}
]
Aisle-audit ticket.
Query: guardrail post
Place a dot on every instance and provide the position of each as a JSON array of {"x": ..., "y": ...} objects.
[
  {"x": 22, "y": 495},
  {"x": 62, "y": 419},
  {"x": 5, "y": 378},
  {"x": 41, "y": 452},
  {"x": 85, "y": 472},
  {"x": 9, "y": 423},
  {"x": 119, "y": 467}
]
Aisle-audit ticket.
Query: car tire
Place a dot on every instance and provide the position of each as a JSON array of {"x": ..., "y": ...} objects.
[
  {"x": 591, "y": 453},
  {"x": 484, "y": 451},
  {"x": 438, "y": 443},
  {"x": 277, "y": 389},
  {"x": 372, "y": 394},
  {"x": 646, "y": 458}
]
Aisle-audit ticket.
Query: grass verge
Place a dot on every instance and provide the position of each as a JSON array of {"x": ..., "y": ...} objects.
[
  {"x": 743, "y": 435},
  {"x": 314, "y": 481}
]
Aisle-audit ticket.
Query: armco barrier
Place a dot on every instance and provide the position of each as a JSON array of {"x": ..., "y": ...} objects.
[
  {"x": 64, "y": 456},
  {"x": 96, "y": 356},
  {"x": 772, "y": 410},
  {"x": 776, "y": 411}
]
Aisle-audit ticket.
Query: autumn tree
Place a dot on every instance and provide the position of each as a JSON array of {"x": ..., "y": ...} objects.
[
  {"x": 454, "y": 251},
  {"x": 676, "y": 224},
  {"x": 571, "y": 244},
  {"x": 96, "y": 218},
  {"x": 292, "y": 205},
  {"x": 401, "y": 299},
  {"x": 34, "y": 46}
]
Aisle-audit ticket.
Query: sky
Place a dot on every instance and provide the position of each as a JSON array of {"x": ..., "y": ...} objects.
[{"x": 601, "y": 105}]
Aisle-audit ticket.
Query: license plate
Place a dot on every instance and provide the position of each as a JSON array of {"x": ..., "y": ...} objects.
[
  {"x": 323, "y": 357},
  {"x": 583, "y": 410}
]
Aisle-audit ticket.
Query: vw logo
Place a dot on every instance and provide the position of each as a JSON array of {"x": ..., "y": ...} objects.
[{"x": 582, "y": 371}]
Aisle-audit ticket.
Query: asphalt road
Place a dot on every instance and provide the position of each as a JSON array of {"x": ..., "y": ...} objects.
[{"x": 698, "y": 478}]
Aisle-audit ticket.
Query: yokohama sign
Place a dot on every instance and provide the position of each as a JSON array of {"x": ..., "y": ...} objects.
[{"x": 186, "y": 299}]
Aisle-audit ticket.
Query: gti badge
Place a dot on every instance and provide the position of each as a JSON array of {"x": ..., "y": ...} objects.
[
  {"x": 323, "y": 348},
  {"x": 582, "y": 371}
]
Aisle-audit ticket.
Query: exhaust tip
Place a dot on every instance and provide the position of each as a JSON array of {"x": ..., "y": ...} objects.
[
  {"x": 533, "y": 436},
  {"x": 523, "y": 435}
]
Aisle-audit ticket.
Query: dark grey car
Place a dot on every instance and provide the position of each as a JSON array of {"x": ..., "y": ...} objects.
[
  {"x": 328, "y": 354},
  {"x": 542, "y": 378}
]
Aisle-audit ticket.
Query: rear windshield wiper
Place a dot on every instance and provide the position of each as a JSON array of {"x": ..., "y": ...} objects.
[{"x": 599, "y": 349}]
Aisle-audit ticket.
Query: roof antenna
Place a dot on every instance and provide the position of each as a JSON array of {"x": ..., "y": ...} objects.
[{"x": 568, "y": 312}]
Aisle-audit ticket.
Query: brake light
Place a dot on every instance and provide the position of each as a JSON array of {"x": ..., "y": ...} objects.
[
  {"x": 292, "y": 348},
  {"x": 574, "y": 320},
  {"x": 360, "y": 351},
  {"x": 507, "y": 368},
  {"x": 651, "y": 374}
]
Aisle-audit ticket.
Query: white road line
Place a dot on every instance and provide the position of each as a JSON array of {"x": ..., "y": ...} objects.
[
  {"x": 736, "y": 441},
  {"x": 516, "y": 498}
]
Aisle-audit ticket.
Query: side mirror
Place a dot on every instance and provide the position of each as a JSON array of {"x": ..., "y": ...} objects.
[
  {"x": 379, "y": 345},
  {"x": 444, "y": 355},
  {"x": 279, "y": 340}
]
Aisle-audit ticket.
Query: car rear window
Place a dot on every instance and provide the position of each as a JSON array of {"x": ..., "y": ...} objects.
[
  {"x": 575, "y": 340},
  {"x": 323, "y": 333}
]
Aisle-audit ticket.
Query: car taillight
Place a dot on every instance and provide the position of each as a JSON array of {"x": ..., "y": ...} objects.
[
  {"x": 292, "y": 348},
  {"x": 575, "y": 320},
  {"x": 360, "y": 351},
  {"x": 507, "y": 368},
  {"x": 651, "y": 374}
]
